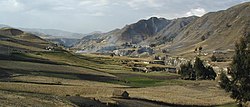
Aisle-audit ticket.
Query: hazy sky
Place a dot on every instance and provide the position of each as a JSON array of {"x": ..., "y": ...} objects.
[{"x": 99, "y": 15}]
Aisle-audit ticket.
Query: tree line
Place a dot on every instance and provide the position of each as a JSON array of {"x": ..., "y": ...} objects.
[{"x": 197, "y": 71}]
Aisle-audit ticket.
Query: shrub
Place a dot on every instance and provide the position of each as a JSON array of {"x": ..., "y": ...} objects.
[{"x": 213, "y": 58}]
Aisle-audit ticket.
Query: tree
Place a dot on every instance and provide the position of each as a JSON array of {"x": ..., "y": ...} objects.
[
  {"x": 224, "y": 82},
  {"x": 195, "y": 49},
  {"x": 200, "y": 48},
  {"x": 239, "y": 86},
  {"x": 210, "y": 73},
  {"x": 241, "y": 72},
  {"x": 203, "y": 38},
  {"x": 199, "y": 69},
  {"x": 213, "y": 58},
  {"x": 186, "y": 70},
  {"x": 112, "y": 54}
]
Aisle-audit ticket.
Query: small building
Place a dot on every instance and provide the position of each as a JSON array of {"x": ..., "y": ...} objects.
[{"x": 120, "y": 94}]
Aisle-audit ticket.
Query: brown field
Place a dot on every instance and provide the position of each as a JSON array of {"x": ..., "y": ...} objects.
[{"x": 90, "y": 76}]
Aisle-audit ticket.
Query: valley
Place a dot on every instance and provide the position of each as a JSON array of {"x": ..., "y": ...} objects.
[
  {"x": 154, "y": 62},
  {"x": 97, "y": 77}
]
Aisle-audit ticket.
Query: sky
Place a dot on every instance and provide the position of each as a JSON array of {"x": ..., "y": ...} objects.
[{"x": 85, "y": 16}]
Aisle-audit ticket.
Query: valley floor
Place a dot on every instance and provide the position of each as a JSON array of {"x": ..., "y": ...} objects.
[{"x": 63, "y": 79}]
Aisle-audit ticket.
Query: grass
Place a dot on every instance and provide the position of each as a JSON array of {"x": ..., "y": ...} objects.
[
  {"x": 138, "y": 82},
  {"x": 66, "y": 76},
  {"x": 107, "y": 65},
  {"x": 12, "y": 44},
  {"x": 82, "y": 74},
  {"x": 228, "y": 105}
]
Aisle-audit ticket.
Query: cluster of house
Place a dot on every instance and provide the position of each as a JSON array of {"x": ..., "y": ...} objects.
[
  {"x": 49, "y": 48},
  {"x": 154, "y": 69},
  {"x": 168, "y": 63},
  {"x": 52, "y": 47},
  {"x": 153, "y": 66}
]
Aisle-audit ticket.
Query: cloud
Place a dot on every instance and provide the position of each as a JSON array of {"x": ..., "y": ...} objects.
[
  {"x": 196, "y": 12},
  {"x": 94, "y": 3},
  {"x": 140, "y": 4},
  {"x": 62, "y": 8},
  {"x": 11, "y": 5},
  {"x": 89, "y": 15},
  {"x": 14, "y": 2},
  {"x": 96, "y": 14}
]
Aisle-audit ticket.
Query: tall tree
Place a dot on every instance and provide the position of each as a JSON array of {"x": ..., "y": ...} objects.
[
  {"x": 240, "y": 72},
  {"x": 210, "y": 73},
  {"x": 199, "y": 68}
]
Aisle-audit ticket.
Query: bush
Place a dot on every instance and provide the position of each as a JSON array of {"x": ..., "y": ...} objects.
[
  {"x": 203, "y": 38},
  {"x": 213, "y": 58}
]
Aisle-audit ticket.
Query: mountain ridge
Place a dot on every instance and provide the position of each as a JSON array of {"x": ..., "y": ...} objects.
[
  {"x": 213, "y": 31},
  {"x": 140, "y": 33}
]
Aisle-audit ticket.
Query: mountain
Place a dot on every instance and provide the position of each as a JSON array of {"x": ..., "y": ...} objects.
[
  {"x": 95, "y": 41},
  {"x": 61, "y": 37},
  {"x": 66, "y": 42},
  {"x": 173, "y": 29},
  {"x": 53, "y": 33},
  {"x": 141, "y": 33},
  {"x": 214, "y": 31},
  {"x": 143, "y": 29}
]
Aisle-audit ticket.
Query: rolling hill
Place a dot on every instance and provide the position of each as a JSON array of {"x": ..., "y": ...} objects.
[
  {"x": 15, "y": 40},
  {"x": 53, "y": 33}
]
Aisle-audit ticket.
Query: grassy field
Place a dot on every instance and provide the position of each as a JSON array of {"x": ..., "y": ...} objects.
[{"x": 60, "y": 74}]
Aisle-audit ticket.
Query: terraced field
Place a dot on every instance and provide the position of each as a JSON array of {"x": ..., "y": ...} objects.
[{"x": 38, "y": 77}]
